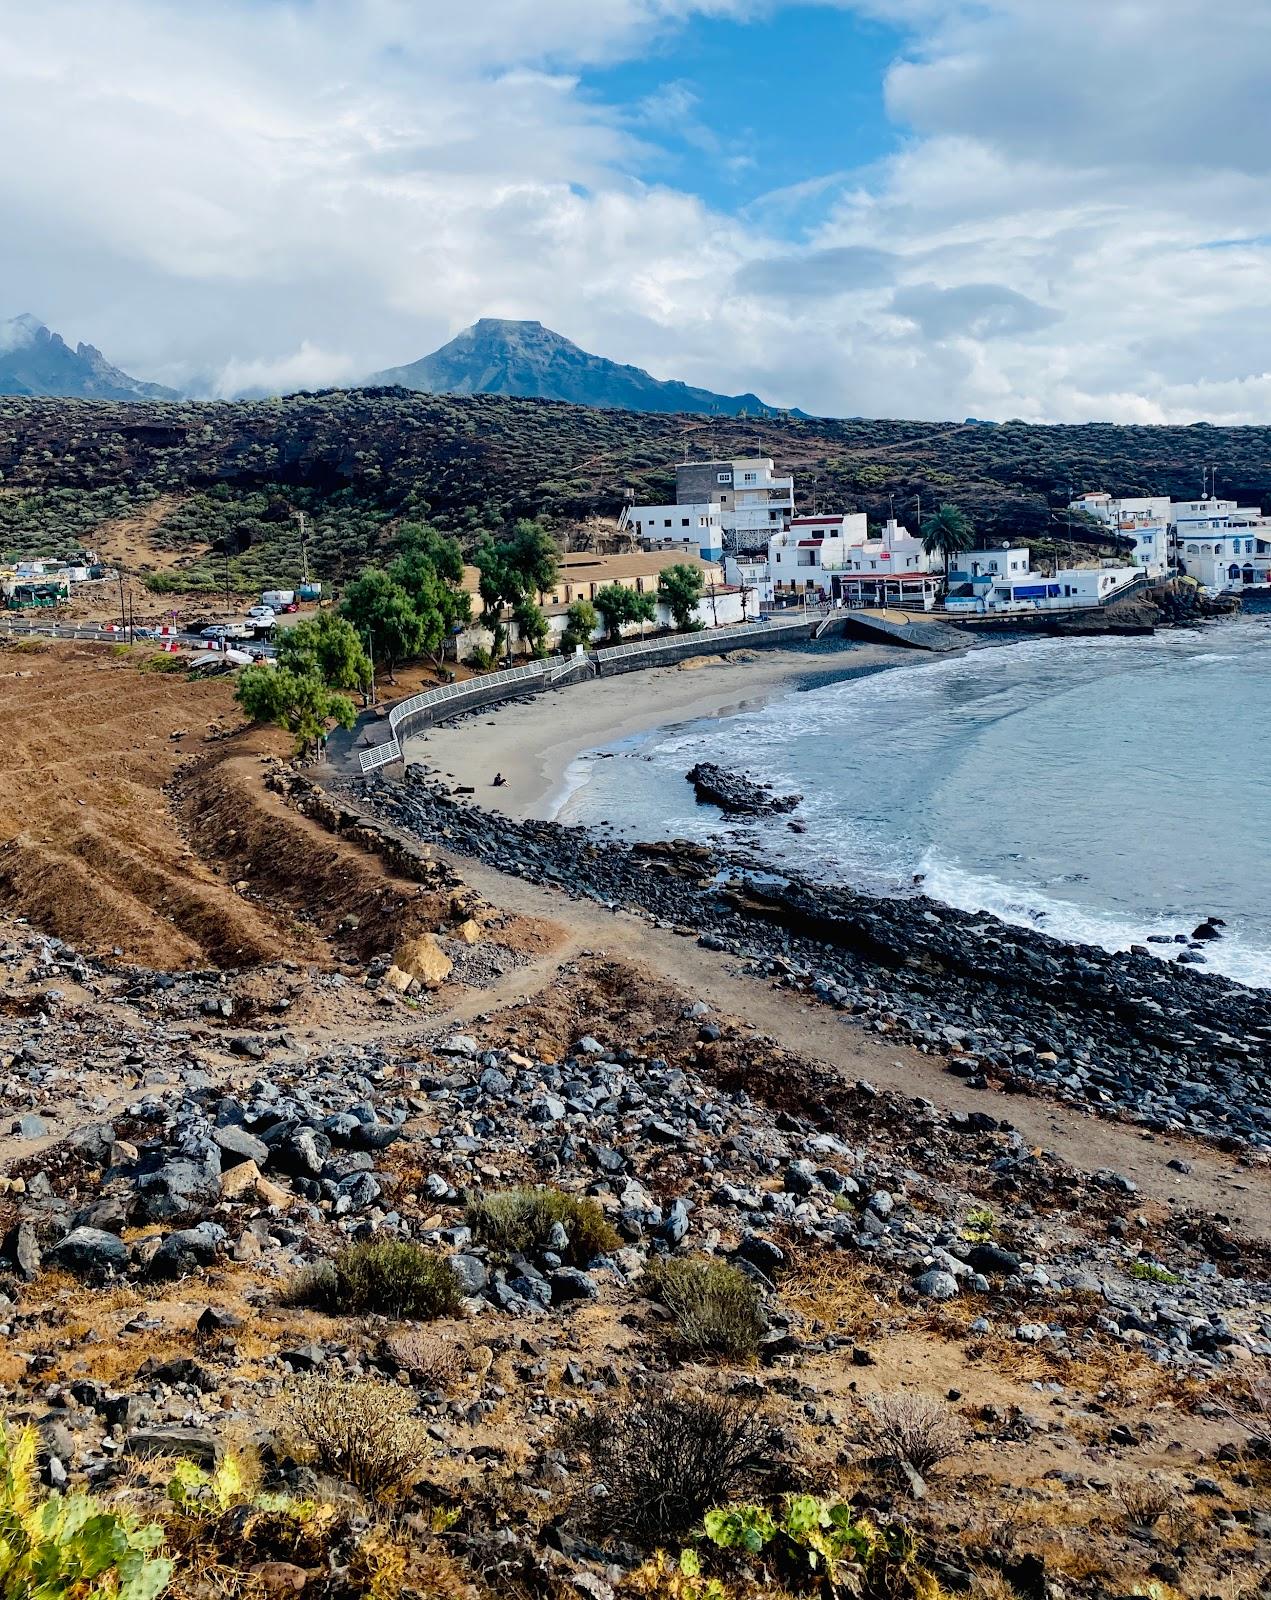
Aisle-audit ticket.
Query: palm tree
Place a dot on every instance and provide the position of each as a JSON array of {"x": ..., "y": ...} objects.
[{"x": 949, "y": 531}]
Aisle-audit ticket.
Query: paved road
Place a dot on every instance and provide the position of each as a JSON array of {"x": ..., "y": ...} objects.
[{"x": 114, "y": 634}]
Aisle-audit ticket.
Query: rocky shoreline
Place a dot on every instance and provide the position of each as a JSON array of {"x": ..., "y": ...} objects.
[{"x": 1123, "y": 1035}]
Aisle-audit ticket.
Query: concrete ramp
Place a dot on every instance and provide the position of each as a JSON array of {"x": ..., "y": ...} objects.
[{"x": 891, "y": 626}]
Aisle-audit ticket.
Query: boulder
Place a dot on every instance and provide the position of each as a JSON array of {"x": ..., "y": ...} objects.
[
  {"x": 937, "y": 1285},
  {"x": 237, "y": 1145},
  {"x": 89, "y": 1253},
  {"x": 993, "y": 1261},
  {"x": 187, "y": 1250},
  {"x": 424, "y": 959}
]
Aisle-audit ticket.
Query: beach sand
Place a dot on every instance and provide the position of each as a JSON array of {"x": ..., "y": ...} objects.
[{"x": 533, "y": 744}]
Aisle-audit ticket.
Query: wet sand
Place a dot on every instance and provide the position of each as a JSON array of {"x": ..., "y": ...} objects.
[{"x": 532, "y": 745}]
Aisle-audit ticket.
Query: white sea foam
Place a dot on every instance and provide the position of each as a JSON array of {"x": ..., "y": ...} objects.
[{"x": 1232, "y": 956}]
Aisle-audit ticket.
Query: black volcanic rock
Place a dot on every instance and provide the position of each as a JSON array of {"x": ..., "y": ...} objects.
[
  {"x": 36, "y": 361},
  {"x": 527, "y": 359},
  {"x": 731, "y": 792}
]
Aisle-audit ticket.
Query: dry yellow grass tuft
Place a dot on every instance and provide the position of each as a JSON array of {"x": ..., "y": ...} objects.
[{"x": 830, "y": 1288}]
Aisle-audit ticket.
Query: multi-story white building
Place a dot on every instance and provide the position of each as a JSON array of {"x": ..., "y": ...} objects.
[
  {"x": 754, "y": 499},
  {"x": 1146, "y": 520},
  {"x": 803, "y": 557},
  {"x": 892, "y": 567},
  {"x": 696, "y": 527}
]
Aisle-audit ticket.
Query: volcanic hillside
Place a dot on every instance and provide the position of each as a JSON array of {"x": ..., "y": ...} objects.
[{"x": 358, "y": 461}]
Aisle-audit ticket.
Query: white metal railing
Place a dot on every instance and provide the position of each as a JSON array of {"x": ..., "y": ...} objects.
[
  {"x": 547, "y": 671},
  {"x": 380, "y": 756},
  {"x": 705, "y": 637}
]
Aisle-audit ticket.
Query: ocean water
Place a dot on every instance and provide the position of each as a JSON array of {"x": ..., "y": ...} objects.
[{"x": 1096, "y": 789}]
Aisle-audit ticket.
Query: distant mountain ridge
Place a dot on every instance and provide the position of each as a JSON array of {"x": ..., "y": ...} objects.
[
  {"x": 526, "y": 359},
  {"x": 35, "y": 361}
]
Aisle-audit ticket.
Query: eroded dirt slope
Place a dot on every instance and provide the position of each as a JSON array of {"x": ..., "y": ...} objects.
[{"x": 89, "y": 848}]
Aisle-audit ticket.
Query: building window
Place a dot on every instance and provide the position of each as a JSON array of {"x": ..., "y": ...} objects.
[
  {"x": 723, "y": 477},
  {"x": 684, "y": 522}
]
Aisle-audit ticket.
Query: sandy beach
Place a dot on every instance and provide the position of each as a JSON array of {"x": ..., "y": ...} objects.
[{"x": 532, "y": 745}]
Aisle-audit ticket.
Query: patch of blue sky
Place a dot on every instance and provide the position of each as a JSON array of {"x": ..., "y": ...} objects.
[{"x": 786, "y": 104}]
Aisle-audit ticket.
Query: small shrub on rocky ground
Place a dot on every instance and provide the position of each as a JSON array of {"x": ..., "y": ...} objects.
[
  {"x": 905, "y": 1427},
  {"x": 513, "y": 1221},
  {"x": 827, "y": 1546},
  {"x": 1144, "y": 1500},
  {"x": 666, "y": 1460},
  {"x": 390, "y": 1277},
  {"x": 426, "y": 1358},
  {"x": 716, "y": 1310},
  {"x": 361, "y": 1430}
]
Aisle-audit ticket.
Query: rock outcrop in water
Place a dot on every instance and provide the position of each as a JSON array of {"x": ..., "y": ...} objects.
[{"x": 730, "y": 791}]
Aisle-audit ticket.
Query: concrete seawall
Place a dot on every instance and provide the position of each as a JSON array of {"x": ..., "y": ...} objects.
[{"x": 375, "y": 741}]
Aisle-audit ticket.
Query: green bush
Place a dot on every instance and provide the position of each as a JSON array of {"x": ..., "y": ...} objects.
[
  {"x": 822, "y": 1546},
  {"x": 514, "y": 1221},
  {"x": 65, "y": 1547},
  {"x": 1152, "y": 1272},
  {"x": 715, "y": 1309},
  {"x": 389, "y": 1277}
]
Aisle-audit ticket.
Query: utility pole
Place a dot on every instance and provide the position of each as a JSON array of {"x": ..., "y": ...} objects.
[
  {"x": 370, "y": 652},
  {"x": 123, "y": 619},
  {"x": 227, "y": 598},
  {"x": 304, "y": 550}
]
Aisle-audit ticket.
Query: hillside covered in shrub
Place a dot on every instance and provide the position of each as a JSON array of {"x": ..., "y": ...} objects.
[{"x": 357, "y": 461}]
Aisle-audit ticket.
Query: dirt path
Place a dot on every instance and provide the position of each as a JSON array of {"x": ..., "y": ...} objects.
[{"x": 1217, "y": 1183}]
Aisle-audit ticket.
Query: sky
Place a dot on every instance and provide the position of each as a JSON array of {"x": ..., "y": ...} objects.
[{"x": 1057, "y": 210}]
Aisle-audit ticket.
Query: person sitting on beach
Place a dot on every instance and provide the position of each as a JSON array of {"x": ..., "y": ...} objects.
[{"x": 499, "y": 780}]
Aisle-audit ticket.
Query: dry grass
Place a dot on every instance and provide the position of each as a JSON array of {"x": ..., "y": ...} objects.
[
  {"x": 830, "y": 1288},
  {"x": 715, "y": 1309},
  {"x": 427, "y": 1358},
  {"x": 518, "y": 1221},
  {"x": 390, "y": 1277},
  {"x": 1145, "y": 1500}
]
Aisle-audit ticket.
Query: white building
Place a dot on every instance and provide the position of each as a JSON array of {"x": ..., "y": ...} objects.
[
  {"x": 1146, "y": 520},
  {"x": 989, "y": 580},
  {"x": 1222, "y": 545},
  {"x": 894, "y": 567},
  {"x": 754, "y": 499},
  {"x": 696, "y": 527},
  {"x": 803, "y": 557},
  {"x": 750, "y": 574}
]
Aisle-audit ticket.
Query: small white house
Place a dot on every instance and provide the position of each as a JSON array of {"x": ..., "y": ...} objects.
[
  {"x": 751, "y": 574},
  {"x": 696, "y": 527},
  {"x": 1145, "y": 519}
]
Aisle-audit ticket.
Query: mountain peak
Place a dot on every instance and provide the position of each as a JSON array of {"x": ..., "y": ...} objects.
[
  {"x": 497, "y": 355},
  {"x": 36, "y": 361},
  {"x": 20, "y": 331}
]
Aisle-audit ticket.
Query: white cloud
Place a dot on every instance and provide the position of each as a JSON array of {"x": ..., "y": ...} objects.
[{"x": 300, "y": 191}]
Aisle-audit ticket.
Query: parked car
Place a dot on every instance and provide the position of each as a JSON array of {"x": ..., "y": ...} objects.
[
  {"x": 262, "y": 613},
  {"x": 228, "y": 630}
]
